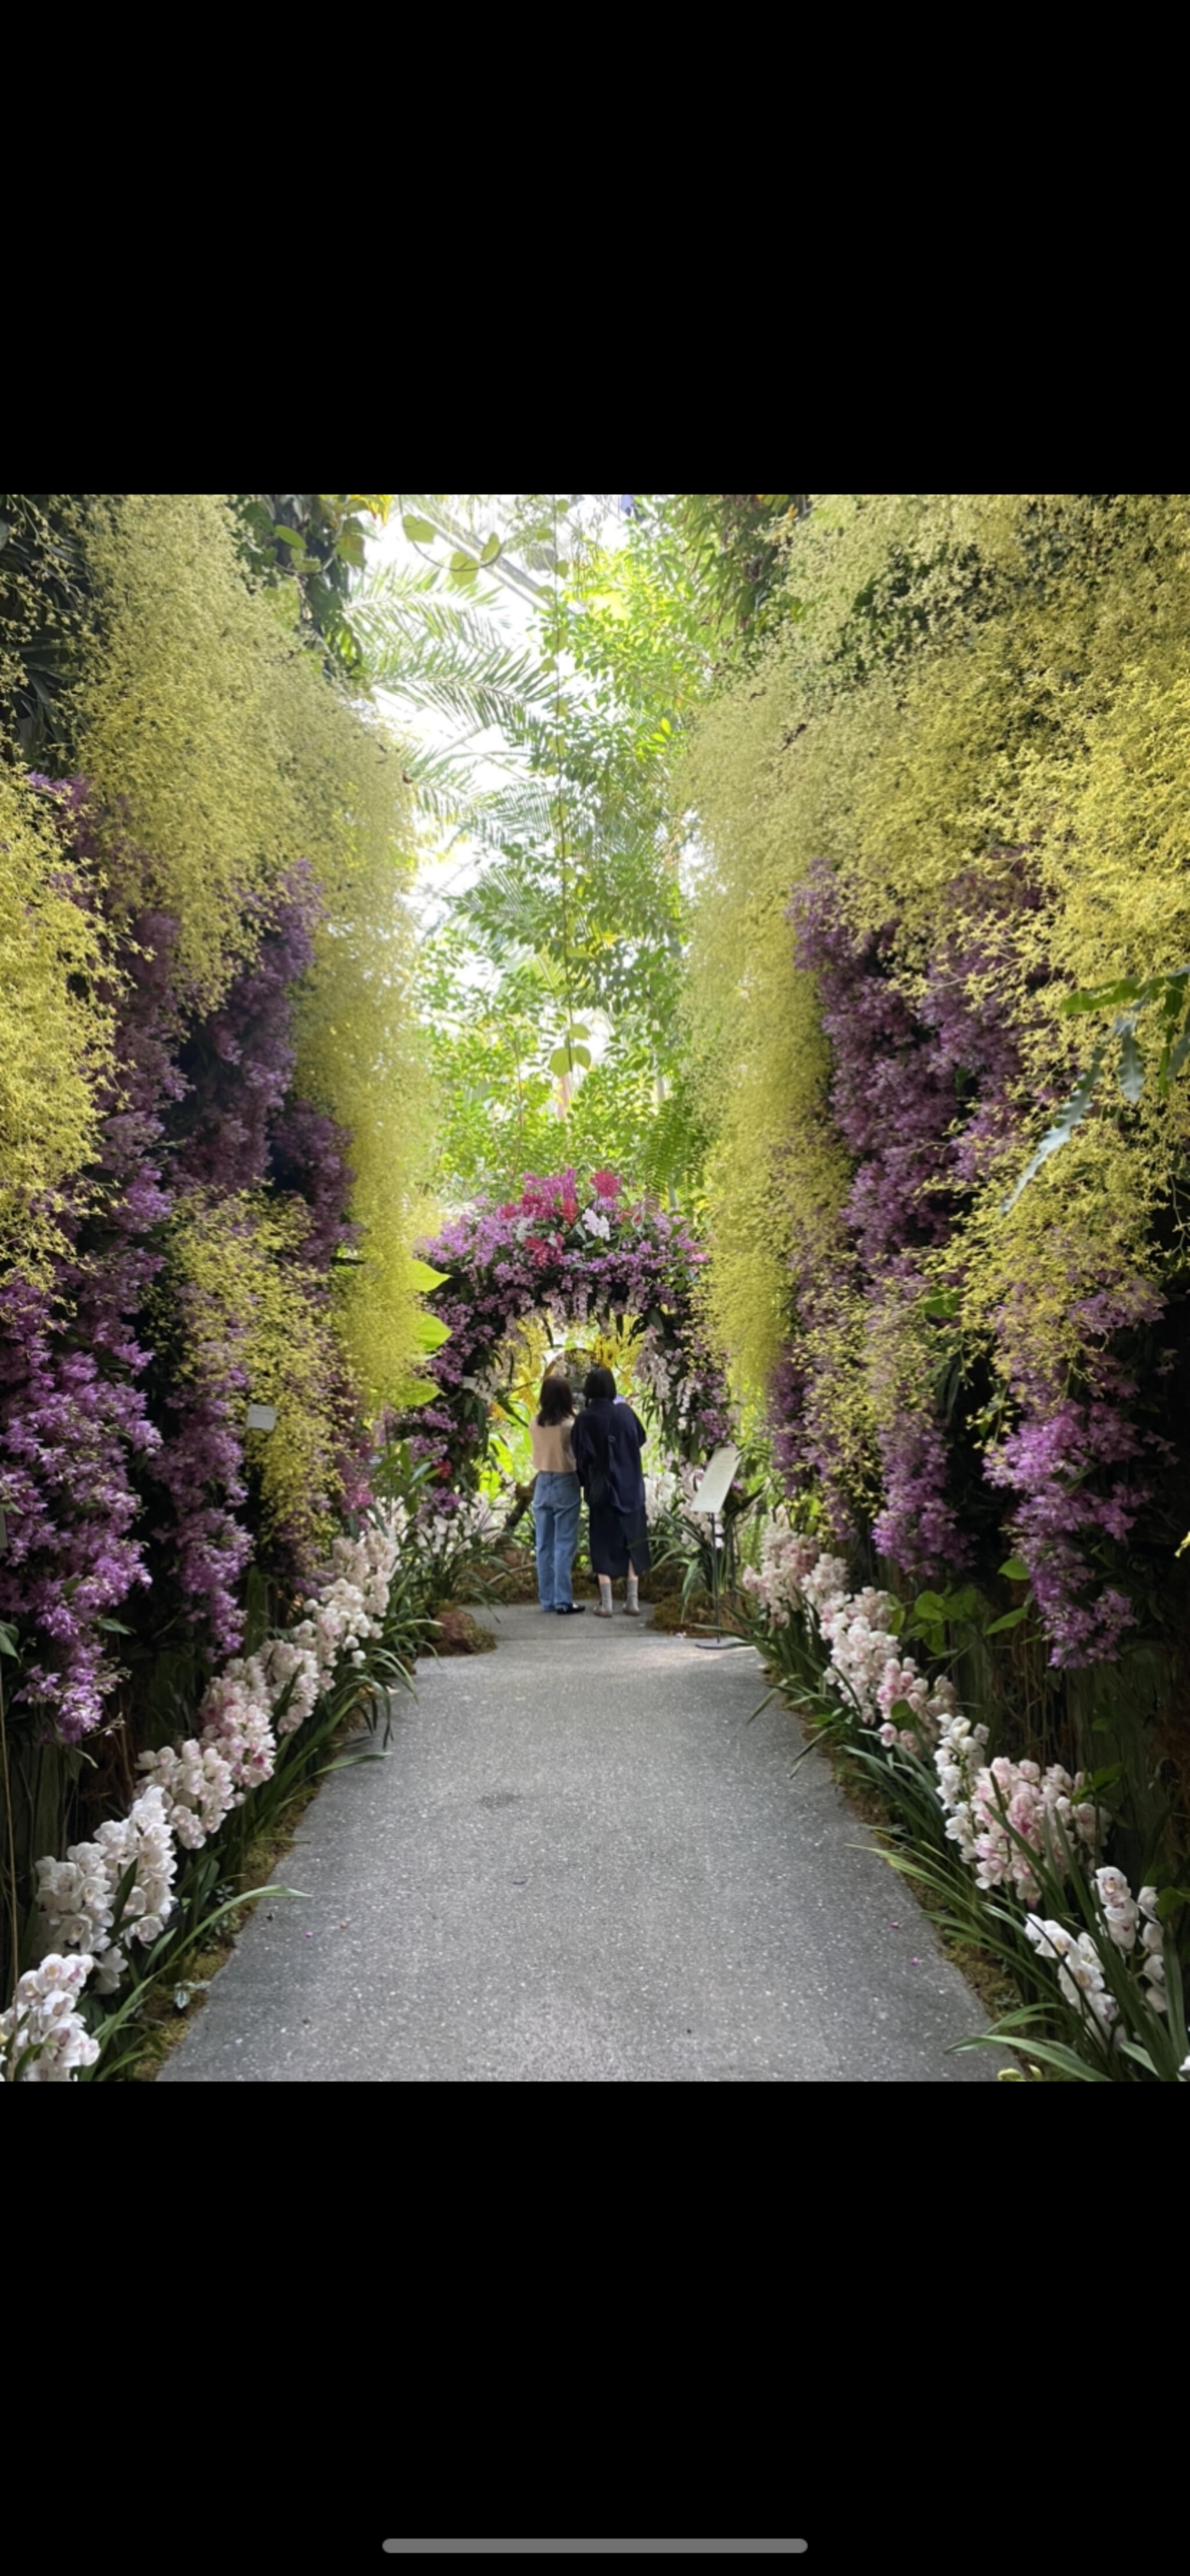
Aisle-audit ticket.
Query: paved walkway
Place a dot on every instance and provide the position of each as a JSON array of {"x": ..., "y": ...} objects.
[{"x": 580, "y": 1862}]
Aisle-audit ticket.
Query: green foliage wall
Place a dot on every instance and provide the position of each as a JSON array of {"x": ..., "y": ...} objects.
[
  {"x": 205, "y": 942},
  {"x": 967, "y": 735},
  {"x": 966, "y": 676},
  {"x": 362, "y": 1056},
  {"x": 220, "y": 749},
  {"x": 55, "y": 1030}
]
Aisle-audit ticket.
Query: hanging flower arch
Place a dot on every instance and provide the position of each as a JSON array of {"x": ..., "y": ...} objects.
[{"x": 583, "y": 1253}]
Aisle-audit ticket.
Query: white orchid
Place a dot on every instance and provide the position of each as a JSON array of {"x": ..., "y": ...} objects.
[
  {"x": 77, "y": 1896},
  {"x": 42, "y": 2025},
  {"x": 188, "y": 1789}
]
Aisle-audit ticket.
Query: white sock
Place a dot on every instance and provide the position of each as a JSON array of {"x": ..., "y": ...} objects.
[
  {"x": 605, "y": 1592},
  {"x": 630, "y": 1591}
]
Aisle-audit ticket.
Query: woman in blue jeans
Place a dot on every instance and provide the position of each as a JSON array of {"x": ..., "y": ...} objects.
[{"x": 555, "y": 1497}]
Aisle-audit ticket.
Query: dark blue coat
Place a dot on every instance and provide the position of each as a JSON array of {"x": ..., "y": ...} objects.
[{"x": 608, "y": 1441}]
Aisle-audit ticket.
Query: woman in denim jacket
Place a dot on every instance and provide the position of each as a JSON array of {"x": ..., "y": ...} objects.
[{"x": 555, "y": 1497}]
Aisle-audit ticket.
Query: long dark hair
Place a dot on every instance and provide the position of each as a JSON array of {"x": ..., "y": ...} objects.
[
  {"x": 557, "y": 1402},
  {"x": 599, "y": 1382}
]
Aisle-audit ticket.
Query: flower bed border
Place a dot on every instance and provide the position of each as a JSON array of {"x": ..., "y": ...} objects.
[{"x": 999, "y": 1853}]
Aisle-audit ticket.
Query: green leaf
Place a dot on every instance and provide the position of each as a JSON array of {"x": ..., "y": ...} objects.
[
  {"x": 289, "y": 537},
  {"x": 1015, "y": 1570},
  {"x": 1175, "y": 1997},
  {"x": 420, "y": 532},
  {"x": 1170, "y": 1899},
  {"x": 1069, "y": 1117},
  {"x": 1051, "y": 2053},
  {"x": 1011, "y": 1619},
  {"x": 1179, "y": 1054},
  {"x": 491, "y": 550},
  {"x": 199, "y": 1932},
  {"x": 1128, "y": 2048},
  {"x": 424, "y": 1279},
  {"x": 123, "y": 1892},
  {"x": 759, "y": 1712},
  {"x": 1132, "y": 1072},
  {"x": 1097, "y": 1782},
  {"x": 1101, "y": 997},
  {"x": 7, "y": 1640},
  {"x": 351, "y": 1763}
]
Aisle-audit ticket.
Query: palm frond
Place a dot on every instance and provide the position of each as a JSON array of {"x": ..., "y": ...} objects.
[
  {"x": 479, "y": 690},
  {"x": 444, "y": 653}
]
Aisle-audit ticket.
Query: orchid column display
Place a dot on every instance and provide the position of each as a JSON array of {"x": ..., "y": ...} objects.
[{"x": 924, "y": 1092}]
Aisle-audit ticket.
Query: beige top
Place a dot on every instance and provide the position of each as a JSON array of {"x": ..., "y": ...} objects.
[{"x": 552, "y": 1452}]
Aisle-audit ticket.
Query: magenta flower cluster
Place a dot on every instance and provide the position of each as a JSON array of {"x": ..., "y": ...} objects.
[
  {"x": 1079, "y": 1468},
  {"x": 69, "y": 1432}
]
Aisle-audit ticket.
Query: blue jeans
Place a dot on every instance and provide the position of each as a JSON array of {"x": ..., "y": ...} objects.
[{"x": 555, "y": 1513}]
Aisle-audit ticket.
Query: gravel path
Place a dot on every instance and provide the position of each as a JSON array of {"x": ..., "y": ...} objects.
[{"x": 581, "y": 1863}]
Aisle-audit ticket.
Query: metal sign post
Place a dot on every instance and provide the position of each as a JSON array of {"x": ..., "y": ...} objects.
[{"x": 710, "y": 1498}]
